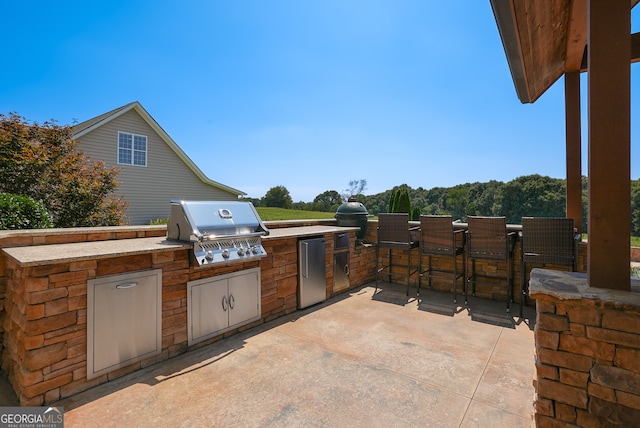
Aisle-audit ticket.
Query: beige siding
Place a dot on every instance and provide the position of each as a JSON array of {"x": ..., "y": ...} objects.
[{"x": 147, "y": 189}]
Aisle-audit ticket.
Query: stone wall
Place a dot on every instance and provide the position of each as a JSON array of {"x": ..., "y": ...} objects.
[
  {"x": 45, "y": 317},
  {"x": 587, "y": 353},
  {"x": 23, "y": 238}
]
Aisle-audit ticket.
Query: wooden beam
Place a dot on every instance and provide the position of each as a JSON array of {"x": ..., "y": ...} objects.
[
  {"x": 574, "y": 149},
  {"x": 576, "y": 36},
  {"x": 609, "y": 86},
  {"x": 635, "y": 47},
  {"x": 635, "y": 52}
]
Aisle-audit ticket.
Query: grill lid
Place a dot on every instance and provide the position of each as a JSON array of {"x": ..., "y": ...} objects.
[
  {"x": 352, "y": 207},
  {"x": 203, "y": 220}
]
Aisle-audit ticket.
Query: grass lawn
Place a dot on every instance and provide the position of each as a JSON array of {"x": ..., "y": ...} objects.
[
  {"x": 270, "y": 213},
  {"x": 635, "y": 240}
]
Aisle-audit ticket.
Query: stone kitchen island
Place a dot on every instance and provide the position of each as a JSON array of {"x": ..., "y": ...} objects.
[{"x": 45, "y": 276}]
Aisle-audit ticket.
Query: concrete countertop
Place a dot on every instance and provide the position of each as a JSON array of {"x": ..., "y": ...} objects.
[
  {"x": 71, "y": 252},
  {"x": 291, "y": 232},
  {"x": 61, "y": 253}
]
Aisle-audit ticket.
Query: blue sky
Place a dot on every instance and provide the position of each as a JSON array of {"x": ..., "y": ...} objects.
[{"x": 316, "y": 93}]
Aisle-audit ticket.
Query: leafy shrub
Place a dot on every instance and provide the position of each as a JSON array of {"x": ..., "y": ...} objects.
[
  {"x": 42, "y": 162},
  {"x": 158, "y": 221},
  {"x": 415, "y": 214},
  {"x": 22, "y": 212}
]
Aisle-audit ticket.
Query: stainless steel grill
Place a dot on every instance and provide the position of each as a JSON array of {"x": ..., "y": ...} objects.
[{"x": 221, "y": 231}]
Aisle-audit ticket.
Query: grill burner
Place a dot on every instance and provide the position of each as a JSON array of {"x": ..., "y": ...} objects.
[{"x": 221, "y": 232}]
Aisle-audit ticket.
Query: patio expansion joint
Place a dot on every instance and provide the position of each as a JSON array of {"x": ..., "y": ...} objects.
[{"x": 484, "y": 370}]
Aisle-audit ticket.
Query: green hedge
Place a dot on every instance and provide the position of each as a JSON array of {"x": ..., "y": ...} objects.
[{"x": 21, "y": 212}]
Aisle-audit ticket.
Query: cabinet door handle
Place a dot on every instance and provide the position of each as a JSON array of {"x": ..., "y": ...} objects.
[
  {"x": 232, "y": 301},
  {"x": 224, "y": 303},
  {"x": 346, "y": 270},
  {"x": 305, "y": 260},
  {"x": 125, "y": 286}
]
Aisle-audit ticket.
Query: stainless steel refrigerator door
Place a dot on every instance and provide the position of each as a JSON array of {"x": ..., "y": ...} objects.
[{"x": 312, "y": 276}]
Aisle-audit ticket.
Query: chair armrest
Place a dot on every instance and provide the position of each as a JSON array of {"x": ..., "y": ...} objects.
[{"x": 464, "y": 236}]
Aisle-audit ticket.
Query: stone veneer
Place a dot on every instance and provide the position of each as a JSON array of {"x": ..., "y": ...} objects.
[
  {"x": 44, "y": 305},
  {"x": 23, "y": 238},
  {"x": 587, "y": 352}
]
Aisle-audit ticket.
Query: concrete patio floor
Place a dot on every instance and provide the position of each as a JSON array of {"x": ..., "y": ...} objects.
[{"x": 355, "y": 360}]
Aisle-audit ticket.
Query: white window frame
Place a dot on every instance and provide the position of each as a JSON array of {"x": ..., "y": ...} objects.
[{"x": 132, "y": 151}]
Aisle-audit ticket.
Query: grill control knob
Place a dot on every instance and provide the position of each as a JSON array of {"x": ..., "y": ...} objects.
[
  {"x": 209, "y": 255},
  {"x": 254, "y": 250},
  {"x": 241, "y": 251},
  {"x": 225, "y": 253}
]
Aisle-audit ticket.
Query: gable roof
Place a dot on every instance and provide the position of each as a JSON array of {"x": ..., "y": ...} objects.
[{"x": 87, "y": 126}]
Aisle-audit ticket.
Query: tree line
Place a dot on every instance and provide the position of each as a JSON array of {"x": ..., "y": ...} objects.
[
  {"x": 532, "y": 195},
  {"x": 39, "y": 162}
]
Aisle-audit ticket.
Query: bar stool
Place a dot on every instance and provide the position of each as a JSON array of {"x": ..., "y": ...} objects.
[
  {"x": 438, "y": 238},
  {"x": 394, "y": 233},
  {"x": 551, "y": 240},
  {"x": 488, "y": 239}
]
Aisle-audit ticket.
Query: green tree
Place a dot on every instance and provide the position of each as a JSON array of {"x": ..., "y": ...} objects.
[
  {"x": 400, "y": 202},
  {"x": 278, "y": 197},
  {"x": 415, "y": 213},
  {"x": 392, "y": 201},
  {"x": 485, "y": 198},
  {"x": 41, "y": 162},
  {"x": 534, "y": 196},
  {"x": 327, "y": 201},
  {"x": 403, "y": 204},
  {"x": 457, "y": 201},
  {"x": 635, "y": 207}
]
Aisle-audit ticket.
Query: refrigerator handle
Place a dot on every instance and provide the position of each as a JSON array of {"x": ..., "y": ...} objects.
[{"x": 305, "y": 260}]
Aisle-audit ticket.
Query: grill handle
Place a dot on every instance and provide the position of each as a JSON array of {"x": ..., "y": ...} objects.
[{"x": 202, "y": 237}]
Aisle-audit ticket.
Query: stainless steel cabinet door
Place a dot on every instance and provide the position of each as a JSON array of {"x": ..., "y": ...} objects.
[
  {"x": 124, "y": 320},
  {"x": 210, "y": 307},
  {"x": 340, "y": 271},
  {"x": 244, "y": 292},
  {"x": 221, "y": 303}
]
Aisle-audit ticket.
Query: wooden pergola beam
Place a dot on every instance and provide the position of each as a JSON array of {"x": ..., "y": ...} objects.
[
  {"x": 609, "y": 92},
  {"x": 576, "y": 36},
  {"x": 573, "y": 131},
  {"x": 544, "y": 40},
  {"x": 635, "y": 52}
]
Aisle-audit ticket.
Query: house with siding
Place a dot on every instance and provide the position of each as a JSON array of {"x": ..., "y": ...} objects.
[{"x": 153, "y": 168}]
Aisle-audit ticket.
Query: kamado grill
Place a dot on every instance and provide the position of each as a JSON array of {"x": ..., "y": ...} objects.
[{"x": 221, "y": 231}]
